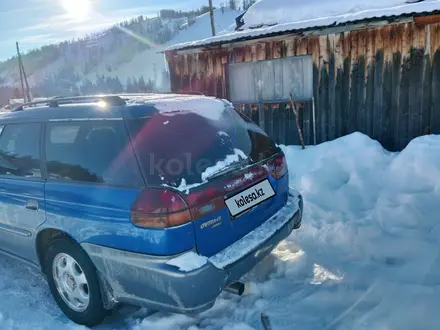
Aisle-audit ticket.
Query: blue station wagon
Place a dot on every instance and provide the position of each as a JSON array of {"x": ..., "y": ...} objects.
[{"x": 161, "y": 201}]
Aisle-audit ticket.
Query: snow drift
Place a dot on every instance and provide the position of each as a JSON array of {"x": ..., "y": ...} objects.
[{"x": 366, "y": 257}]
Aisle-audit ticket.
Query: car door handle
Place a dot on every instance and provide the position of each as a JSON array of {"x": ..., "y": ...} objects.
[{"x": 32, "y": 205}]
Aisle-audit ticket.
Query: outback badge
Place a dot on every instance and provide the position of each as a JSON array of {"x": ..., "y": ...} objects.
[{"x": 212, "y": 223}]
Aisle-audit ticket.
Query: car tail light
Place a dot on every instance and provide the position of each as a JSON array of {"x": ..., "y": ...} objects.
[
  {"x": 278, "y": 166},
  {"x": 159, "y": 208},
  {"x": 205, "y": 202}
]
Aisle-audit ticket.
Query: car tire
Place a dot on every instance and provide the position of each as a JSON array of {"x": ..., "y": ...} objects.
[{"x": 74, "y": 282}]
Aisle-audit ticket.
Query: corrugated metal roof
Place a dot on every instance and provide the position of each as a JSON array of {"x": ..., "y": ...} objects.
[{"x": 423, "y": 7}]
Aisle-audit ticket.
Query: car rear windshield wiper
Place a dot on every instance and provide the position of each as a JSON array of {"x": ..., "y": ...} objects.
[{"x": 233, "y": 167}]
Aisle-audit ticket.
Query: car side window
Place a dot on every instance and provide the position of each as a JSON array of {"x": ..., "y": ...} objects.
[
  {"x": 20, "y": 150},
  {"x": 91, "y": 151}
]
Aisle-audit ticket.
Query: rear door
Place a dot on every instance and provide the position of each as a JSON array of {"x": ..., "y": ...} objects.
[
  {"x": 92, "y": 179},
  {"x": 22, "y": 203},
  {"x": 210, "y": 157}
]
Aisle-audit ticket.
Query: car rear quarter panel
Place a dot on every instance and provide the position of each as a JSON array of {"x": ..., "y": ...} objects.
[{"x": 101, "y": 215}]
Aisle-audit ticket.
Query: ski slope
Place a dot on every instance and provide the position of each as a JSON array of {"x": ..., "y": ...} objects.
[{"x": 366, "y": 257}]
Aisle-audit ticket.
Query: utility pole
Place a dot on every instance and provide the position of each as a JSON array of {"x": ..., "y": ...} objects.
[
  {"x": 211, "y": 13},
  {"x": 23, "y": 79},
  {"x": 21, "y": 74},
  {"x": 28, "y": 93}
]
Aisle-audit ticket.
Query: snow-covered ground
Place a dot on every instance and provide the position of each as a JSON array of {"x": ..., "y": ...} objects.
[{"x": 366, "y": 257}]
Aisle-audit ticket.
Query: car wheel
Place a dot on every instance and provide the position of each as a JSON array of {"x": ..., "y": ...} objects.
[{"x": 74, "y": 283}]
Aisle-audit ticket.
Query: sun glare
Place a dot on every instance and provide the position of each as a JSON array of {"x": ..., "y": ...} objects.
[{"x": 77, "y": 9}]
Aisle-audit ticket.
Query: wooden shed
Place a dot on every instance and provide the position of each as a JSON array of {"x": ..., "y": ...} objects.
[{"x": 377, "y": 73}]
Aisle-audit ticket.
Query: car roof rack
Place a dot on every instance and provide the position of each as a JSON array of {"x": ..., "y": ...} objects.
[
  {"x": 111, "y": 100},
  {"x": 126, "y": 96}
]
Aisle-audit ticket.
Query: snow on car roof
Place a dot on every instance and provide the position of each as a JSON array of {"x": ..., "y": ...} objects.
[
  {"x": 171, "y": 104},
  {"x": 268, "y": 17},
  {"x": 152, "y": 98}
]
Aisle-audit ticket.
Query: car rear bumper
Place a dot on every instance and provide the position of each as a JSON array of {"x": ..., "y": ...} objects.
[{"x": 152, "y": 282}]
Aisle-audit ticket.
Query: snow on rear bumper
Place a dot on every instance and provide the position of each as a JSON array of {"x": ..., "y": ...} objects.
[{"x": 157, "y": 282}]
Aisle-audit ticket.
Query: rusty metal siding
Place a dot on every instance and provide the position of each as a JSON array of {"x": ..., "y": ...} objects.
[{"x": 384, "y": 82}]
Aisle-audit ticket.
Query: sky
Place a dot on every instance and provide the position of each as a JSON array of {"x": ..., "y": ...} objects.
[{"x": 34, "y": 23}]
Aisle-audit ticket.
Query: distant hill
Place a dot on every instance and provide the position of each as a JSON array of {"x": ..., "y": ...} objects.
[{"x": 125, "y": 57}]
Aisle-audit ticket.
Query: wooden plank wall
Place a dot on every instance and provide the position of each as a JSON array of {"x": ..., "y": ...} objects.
[{"x": 384, "y": 82}]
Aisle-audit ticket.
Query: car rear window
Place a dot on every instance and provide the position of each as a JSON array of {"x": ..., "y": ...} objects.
[
  {"x": 91, "y": 151},
  {"x": 176, "y": 149}
]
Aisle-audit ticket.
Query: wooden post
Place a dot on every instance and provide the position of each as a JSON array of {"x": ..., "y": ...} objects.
[
  {"x": 265, "y": 321},
  {"x": 295, "y": 111},
  {"x": 261, "y": 115},
  {"x": 211, "y": 14},
  {"x": 314, "y": 121}
]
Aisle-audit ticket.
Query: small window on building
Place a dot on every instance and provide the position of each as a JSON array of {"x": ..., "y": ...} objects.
[
  {"x": 94, "y": 152},
  {"x": 20, "y": 150}
]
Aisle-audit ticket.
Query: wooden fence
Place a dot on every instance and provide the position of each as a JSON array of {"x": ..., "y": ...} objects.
[{"x": 279, "y": 121}]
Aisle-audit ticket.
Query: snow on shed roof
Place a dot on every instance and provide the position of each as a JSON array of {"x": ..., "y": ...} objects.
[{"x": 270, "y": 17}]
